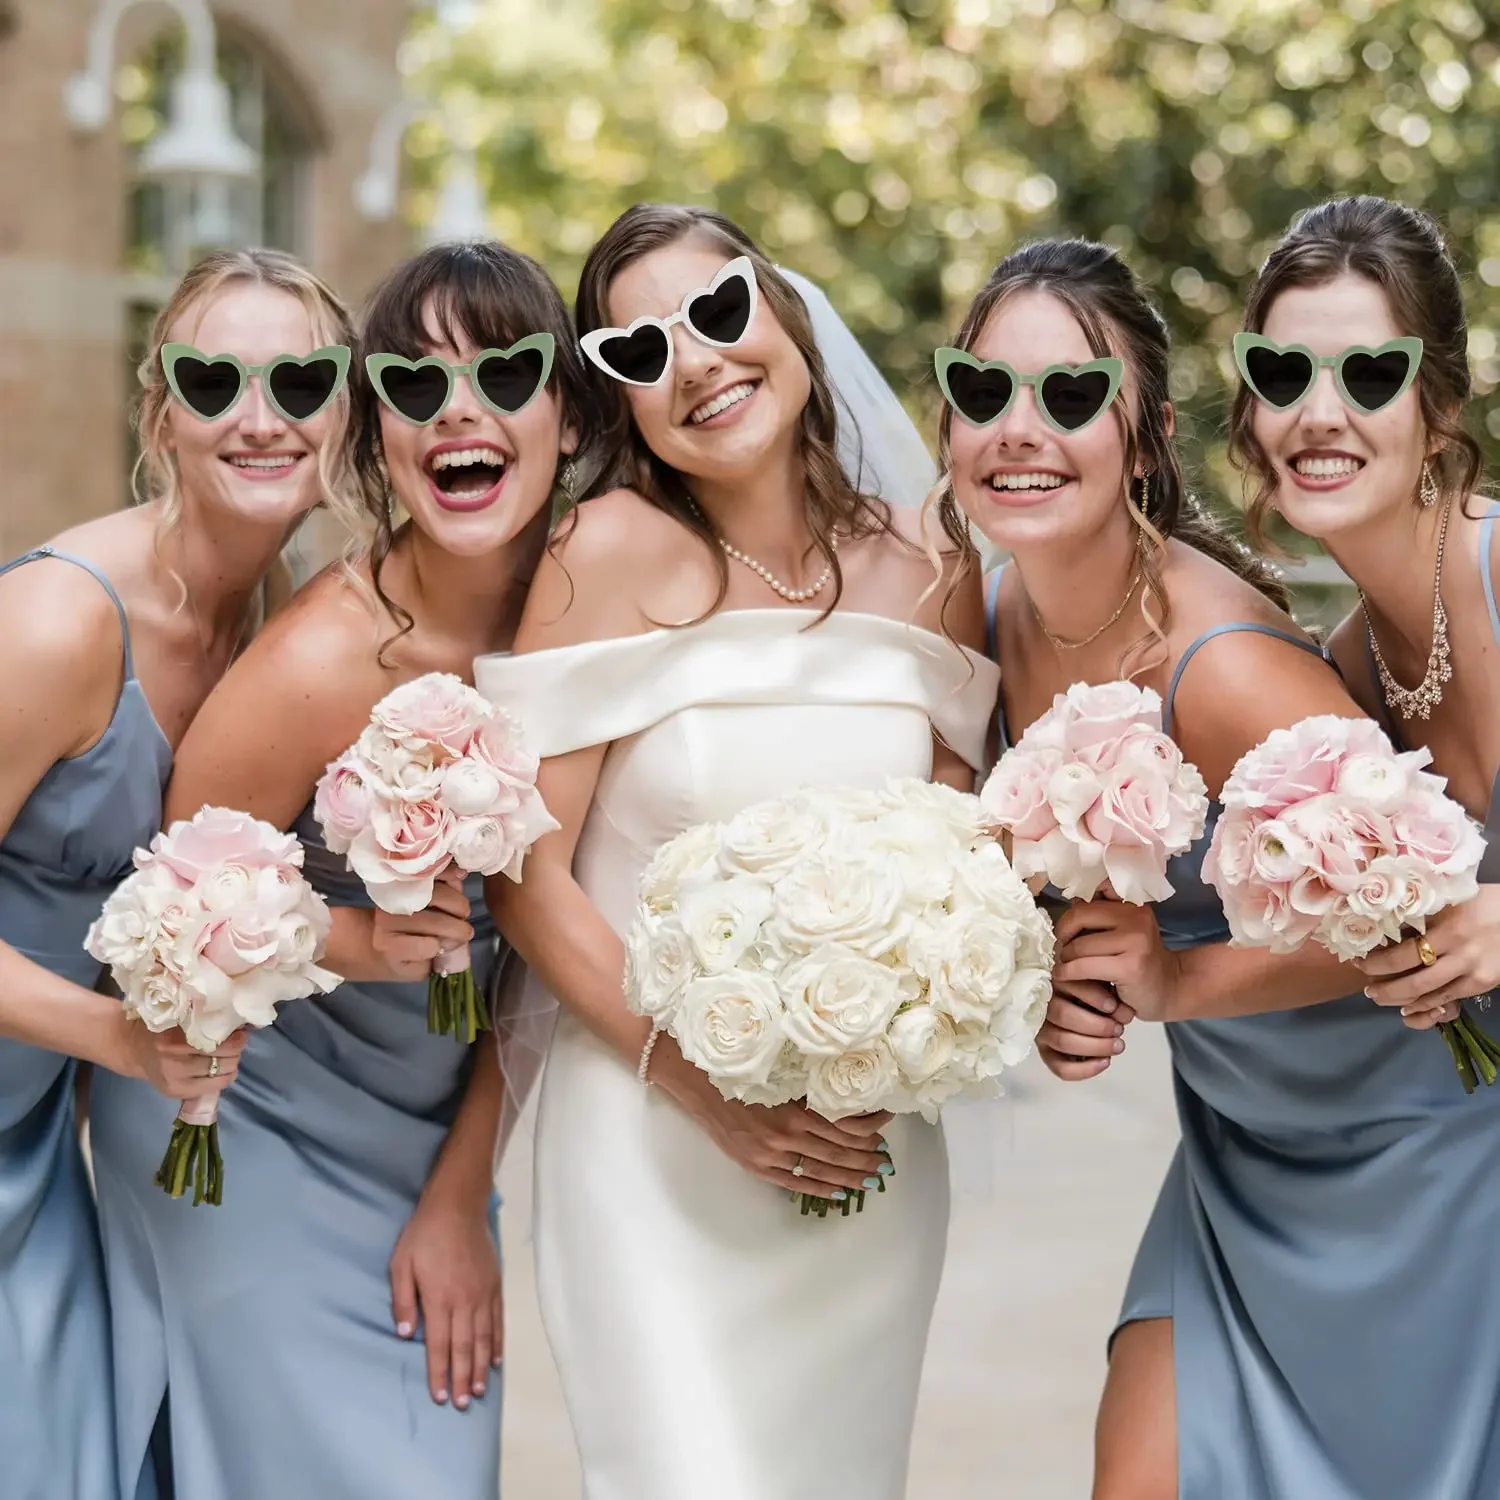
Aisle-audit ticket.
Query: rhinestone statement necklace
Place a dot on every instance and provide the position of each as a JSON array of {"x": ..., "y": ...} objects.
[{"x": 1419, "y": 702}]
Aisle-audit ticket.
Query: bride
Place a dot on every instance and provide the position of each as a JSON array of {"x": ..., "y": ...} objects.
[{"x": 730, "y": 621}]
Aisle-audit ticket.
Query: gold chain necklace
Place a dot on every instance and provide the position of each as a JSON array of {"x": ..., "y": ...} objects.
[
  {"x": 1057, "y": 641},
  {"x": 1419, "y": 702}
]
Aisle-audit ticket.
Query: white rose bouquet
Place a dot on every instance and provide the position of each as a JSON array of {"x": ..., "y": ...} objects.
[
  {"x": 439, "y": 777},
  {"x": 859, "y": 950},
  {"x": 214, "y": 930}
]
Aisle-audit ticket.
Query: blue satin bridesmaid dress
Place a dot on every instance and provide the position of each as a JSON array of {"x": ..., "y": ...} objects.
[
  {"x": 1324, "y": 1241},
  {"x": 264, "y": 1324},
  {"x": 67, "y": 848}
]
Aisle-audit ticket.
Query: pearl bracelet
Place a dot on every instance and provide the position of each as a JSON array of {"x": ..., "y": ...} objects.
[{"x": 646, "y": 1051}]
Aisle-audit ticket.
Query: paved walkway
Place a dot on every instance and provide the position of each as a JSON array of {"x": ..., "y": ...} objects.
[{"x": 1052, "y": 1189}]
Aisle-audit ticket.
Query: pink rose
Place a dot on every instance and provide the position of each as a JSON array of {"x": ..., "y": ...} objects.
[
  {"x": 404, "y": 849},
  {"x": 1231, "y": 851},
  {"x": 1299, "y": 762},
  {"x": 1128, "y": 821},
  {"x": 1096, "y": 713},
  {"x": 1349, "y": 936},
  {"x": 1434, "y": 830},
  {"x": 343, "y": 802},
  {"x": 435, "y": 709},
  {"x": 1015, "y": 796},
  {"x": 499, "y": 742},
  {"x": 216, "y": 836}
]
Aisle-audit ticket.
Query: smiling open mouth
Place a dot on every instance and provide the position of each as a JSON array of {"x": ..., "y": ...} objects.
[
  {"x": 723, "y": 402},
  {"x": 467, "y": 473},
  {"x": 1330, "y": 466},
  {"x": 1037, "y": 481}
]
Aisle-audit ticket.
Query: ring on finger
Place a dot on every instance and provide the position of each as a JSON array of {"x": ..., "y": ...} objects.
[
  {"x": 1426, "y": 953},
  {"x": 213, "y": 1066},
  {"x": 797, "y": 1168}
]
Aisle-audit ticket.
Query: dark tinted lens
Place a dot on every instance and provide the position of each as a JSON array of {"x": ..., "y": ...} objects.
[
  {"x": 724, "y": 315},
  {"x": 417, "y": 394},
  {"x": 510, "y": 382},
  {"x": 303, "y": 390},
  {"x": 1279, "y": 379},
  {"x": 208, "y": 387},
  {"x": 641, "y": 355},
  {"x": 979, "y": 396},
  {"x": 1373, "y": 381},
  {"x": 1074, "y": 400}
]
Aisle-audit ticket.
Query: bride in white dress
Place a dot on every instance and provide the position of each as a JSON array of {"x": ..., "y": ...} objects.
[{"x": 713, "y": 1343}]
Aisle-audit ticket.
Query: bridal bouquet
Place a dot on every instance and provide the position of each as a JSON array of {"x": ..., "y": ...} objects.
[
  {"x": 860, "y": 950},
  {"x": 1329, "y": 834},
  {"x": 440, "y": 777},
  {"x": 213, "y": 931},
  {"x": 1095, "y": 791}
]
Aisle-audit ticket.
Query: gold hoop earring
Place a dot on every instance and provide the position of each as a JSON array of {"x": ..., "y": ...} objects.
[{"x": 1427, "y": 495}]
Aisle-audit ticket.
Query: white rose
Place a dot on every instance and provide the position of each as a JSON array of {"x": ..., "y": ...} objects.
[
  {"x": 730, "y": 1026},
  {"x": 968, "y": 960},
  {"x": 769, "y": 838},
  {"x": 723, "y": 919},
  {"x": 837, "y": 1001},
  {"x": 471, "y": 789},
  {"x": 157, "y": 999},
  {"x": 129, "y": 929},
  {"x": 853, "y": 1083},
  {"x": 983, "y": 880},
  {"x": 922, "y": 1040},
  {"x": 959, "y": 812},
  {"x": 1347, "y": 936},
  {"x": 393, "y": 771},
  {"x": 659, "y": 967},
  {"x": 919, "y": 848},
  {"x": 1021, "y": 1014},
  {"x": 832, "y": 898},
  {"x": 688, "y": 859}
]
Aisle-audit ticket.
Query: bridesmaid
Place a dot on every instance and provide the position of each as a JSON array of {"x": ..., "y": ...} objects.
[
  {"x": 115, "y": 632},
  {"x": 280, "y": 1328},
  {"x": 1225, "y": 1374}
]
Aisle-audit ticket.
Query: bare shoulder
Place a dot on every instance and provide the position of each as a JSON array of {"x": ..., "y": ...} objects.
[
  {"x": 60, "y": 627},
  {"x": 617, "y": 565}
]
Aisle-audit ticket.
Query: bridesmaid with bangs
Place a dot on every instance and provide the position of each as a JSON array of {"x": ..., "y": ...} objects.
[{"x": 334, "y": 1327}]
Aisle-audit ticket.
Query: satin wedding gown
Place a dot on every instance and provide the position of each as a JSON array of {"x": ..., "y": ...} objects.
[{"x": 712, "y": 1341}]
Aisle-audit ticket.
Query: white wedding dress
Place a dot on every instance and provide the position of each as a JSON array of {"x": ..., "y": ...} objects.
[{"x": 713, "y": 1343}]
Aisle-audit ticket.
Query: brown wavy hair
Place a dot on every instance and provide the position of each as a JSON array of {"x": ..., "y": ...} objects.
[
  {"x": 1402, "y": 251},
  {"x": 833, "y": 503},
  {"x": 495, "y": 296},
  {"x": 1104, "y": 295}
]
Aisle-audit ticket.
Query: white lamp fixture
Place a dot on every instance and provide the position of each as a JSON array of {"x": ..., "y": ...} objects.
[
  {"x": 460, "y": 210},
  {"x": 197, "y": 141}
]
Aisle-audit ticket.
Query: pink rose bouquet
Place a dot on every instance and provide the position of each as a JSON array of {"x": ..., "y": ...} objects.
[
  {"x": 1329, "y": 834},
  {"x": 1095, "y": 791},
  {"x": 439, "y": 778},
  {"x": 213, "y": 931}
]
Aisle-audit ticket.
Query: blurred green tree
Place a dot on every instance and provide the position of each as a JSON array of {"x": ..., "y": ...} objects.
[{"x": 894, "y": 149}]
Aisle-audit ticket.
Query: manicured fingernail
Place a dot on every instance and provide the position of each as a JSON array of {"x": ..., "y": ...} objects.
[
  {"x": 882, "y": 1147},
  {"x": 872, "y": 1182},
  {"x": 479, "y": 1388},
  {"x": 461, "y": 1401},
  {"x": 404, "y": 1329},
  {"x": 1119, "y": 1046},
  {"x": 440, "y": 1397},
  {"x": 497, "y": 1361},
  {"x": 838, "y": 1195},
  {"x": 885, "y": 1169},
  {"x": 1119, "y": 1030}
]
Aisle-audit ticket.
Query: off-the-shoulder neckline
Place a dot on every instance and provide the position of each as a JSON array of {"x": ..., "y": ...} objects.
[{"x": 764, "y": 613}]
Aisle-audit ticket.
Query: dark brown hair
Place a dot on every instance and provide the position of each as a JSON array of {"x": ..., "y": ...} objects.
[
  {"x": 1103, "y": 294},
  {"x": 833, "y": 502},
  {"x": 1400, "y": 250},
  {"x": 495, "y": 296}
]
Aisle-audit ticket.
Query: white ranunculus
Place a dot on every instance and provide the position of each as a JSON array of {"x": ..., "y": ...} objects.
[
  {"x": 723, "y": 918},
  {"x": 968, "y": 960},
  {"x": 689, "y": 859},
  {"x": 768, "y": 839},
  {"x": 730, "y": 1026},
  {"x": 1378, "y": 781},
  {"x": 922, "y": 1040},
  {"x": 837, "y": 1001},
  {"x": 481, "y": 844},
  {"x": 853, "y": 1083},
  {"x": 831, "y": 897},
  {"x": 472, "y": 789},
  {"x": 659, "y": 966}
]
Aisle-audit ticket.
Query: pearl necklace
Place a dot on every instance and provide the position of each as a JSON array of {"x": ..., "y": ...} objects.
[
  {"x": 1419, "y": 702},
  {"x": 791, "y": 595}
]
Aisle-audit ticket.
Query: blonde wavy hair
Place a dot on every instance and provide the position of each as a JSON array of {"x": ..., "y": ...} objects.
[{"x": 155, "y": 478}]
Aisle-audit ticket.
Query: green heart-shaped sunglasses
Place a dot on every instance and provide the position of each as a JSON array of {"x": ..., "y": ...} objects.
[
  {"x": 1282, "y": 375},
  {"x": 1069, "y": 397},
  {"x": 296, "y": 386},
  {"x": 505, "y": 380}
]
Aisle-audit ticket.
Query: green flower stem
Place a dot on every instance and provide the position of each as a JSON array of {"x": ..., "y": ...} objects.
[
  {"x": 456, "y": 1007},
  {"x": 1458, "y": 1047},
  {"x": 193, "y": 1156}
]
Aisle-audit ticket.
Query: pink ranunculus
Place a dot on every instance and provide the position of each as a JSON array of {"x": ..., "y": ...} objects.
[
  {"x": 343, "y": 802},
  {"x": 437, "y": 708},
  {"x": 217, "y": 836},
  {"x": 405, "y": 848},
  {"x": 1276, "y": 855},
  {"x": 1149, "y": 750},
  {"x": 1015, "y": 795},
  {"x": 500, "y": 742},
  {"x": 1299, "y": 762}
]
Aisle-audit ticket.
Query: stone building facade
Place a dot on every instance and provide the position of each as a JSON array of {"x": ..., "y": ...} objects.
[{"x": 87, "y": 253}]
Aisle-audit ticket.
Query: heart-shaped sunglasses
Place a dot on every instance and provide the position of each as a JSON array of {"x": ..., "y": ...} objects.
[
  {"x": 1282, "y": 375},
  {"x": 1069, "y": 397},
  {"x": 505, "y": 380},
  {"x": 719, "y": 314},
  {"x": 296, "y": 386}
]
